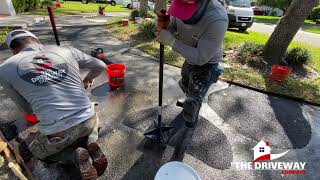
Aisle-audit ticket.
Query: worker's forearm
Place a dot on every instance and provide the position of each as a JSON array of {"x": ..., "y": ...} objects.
[
  {"x": 92, "y": 75},
  {"x": 191, "y": 54},
  {"x": 107, "y": 61}
]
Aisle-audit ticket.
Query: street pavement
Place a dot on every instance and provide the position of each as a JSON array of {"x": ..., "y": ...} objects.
[
  {"x": 302, "y": 36},
  {"x": 20, "y": 21},
  {"x": 38, "y": 21},
  {"x": 233, "y": 120}
]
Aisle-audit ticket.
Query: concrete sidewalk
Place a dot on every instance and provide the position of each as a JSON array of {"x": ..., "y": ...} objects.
[
  {"x": 233, "y": 120},
  {"x": 20, "y": 21}
]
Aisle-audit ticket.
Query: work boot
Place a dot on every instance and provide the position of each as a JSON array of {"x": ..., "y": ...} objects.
[
  {"x": 190, "y": 113},
  {"x": 100, "y": 161},
  {"x": 87, "y": 171}
]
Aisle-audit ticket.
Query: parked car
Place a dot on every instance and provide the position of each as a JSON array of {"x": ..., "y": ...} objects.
[
  {"x": 136, "y": 4},
  {"x": 240, "y": 13},
  {"x": 257, "y": 11},
  {"x": 111, "y": 2}
]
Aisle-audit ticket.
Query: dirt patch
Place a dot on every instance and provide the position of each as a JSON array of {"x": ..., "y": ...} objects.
[{"x": 304, "y": 73}]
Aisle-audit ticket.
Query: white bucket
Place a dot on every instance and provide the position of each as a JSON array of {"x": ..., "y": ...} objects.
[{"x": 176, "y": 171}]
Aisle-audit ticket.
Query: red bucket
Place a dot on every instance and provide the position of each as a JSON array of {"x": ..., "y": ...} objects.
[
  {"x": 116, "y": 75},
  {"x": 31, "y": 118},
  {"x": 280, "y": 73},
  {"x": 125, "y": 22},
  {"x": 57, "y": 5}
]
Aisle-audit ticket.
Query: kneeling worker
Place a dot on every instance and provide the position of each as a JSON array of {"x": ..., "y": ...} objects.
[{"x": 45, "y": 80}]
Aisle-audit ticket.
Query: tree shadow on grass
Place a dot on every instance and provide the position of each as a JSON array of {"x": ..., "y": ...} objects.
[
  {"x": 238, "y": 31},
  {"x": 260, "y": 116}
]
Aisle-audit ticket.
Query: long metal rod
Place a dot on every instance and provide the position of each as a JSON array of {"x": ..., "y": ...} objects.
[
  {"x": 157, "y": 133},
  {"x": 53, "y": 24},
  {"x": 160, "y": 89},
  {"x": 161, "y": 74}
]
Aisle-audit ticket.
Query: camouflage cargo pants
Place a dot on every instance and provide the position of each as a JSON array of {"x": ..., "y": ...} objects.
[
  {"x": 195, "y": 82},
  {"x": 43, "y": 147},
  {"x": 198, "y": 79}
]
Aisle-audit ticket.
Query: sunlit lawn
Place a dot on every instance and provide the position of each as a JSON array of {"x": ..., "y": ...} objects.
[{"x": 71, "y": 7}]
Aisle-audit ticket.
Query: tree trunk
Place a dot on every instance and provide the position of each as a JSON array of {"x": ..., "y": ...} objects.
[
  {"x": 287, "y": 28},
  {"x": 131, "y": 5},
  {"x": 160, "y": 4},
  {"x": 143, "y": 8}
]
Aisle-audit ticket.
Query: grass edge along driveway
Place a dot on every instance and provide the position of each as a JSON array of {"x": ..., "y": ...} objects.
[{"x": 72, "y": 7}]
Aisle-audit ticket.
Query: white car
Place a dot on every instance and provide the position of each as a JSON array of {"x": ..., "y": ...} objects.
[
  {"x": 136, "y": 4},
  {"x": 240, "y": 13}
]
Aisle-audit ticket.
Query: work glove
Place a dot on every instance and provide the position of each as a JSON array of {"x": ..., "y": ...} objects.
[{"x": 166, "y": 38}]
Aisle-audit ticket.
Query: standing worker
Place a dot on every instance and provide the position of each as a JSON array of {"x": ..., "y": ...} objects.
[
  {"x": 196, "y": 31},
  {"x": 45, "y": 80}
]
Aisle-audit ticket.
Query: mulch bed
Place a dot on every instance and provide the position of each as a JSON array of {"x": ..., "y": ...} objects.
[{"x": 258, "y": 64}]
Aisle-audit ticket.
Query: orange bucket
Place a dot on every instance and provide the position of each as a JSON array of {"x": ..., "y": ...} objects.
[
  {"x": 116, "y": 75},
  {"x": 57, "y": 5}
]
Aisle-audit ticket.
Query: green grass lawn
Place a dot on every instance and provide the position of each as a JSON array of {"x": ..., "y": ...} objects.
[
  {"x": 266, "y": 19},
  {"x": 306, "y": 89},
  {"x": 308, "y": 24},
  {"x": 3, "y": 34},
  {"x": 317, "y": 31},
  {"x": 275, "y": 19},
  {"x": 2, "y": 37},
  {"x": 71, "y": 7},
  {"x": 234, "y": 38}
]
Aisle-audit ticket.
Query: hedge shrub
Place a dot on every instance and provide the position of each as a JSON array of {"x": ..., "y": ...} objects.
[
  {"x": 250, "y": 49},
  {"x": 137, "y": 13},
  {"x": 297, "y": 57},
  {"x": 134, "y": 13},
  {"x": 26, "y": 5},
  {"x": 315, "y": 14},
  {"x": 45, "y": 3},
  {"x": 148, "y": 29}
]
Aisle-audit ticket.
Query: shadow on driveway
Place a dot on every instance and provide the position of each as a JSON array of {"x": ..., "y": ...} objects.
[{"x": 259, "y": 116}]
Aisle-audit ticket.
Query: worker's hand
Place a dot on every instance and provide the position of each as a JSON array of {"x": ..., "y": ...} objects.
[
  {"x": 87, "y": 83},
  {"x": 166, "y": 38},
  {"x": 101, "y": 56}
]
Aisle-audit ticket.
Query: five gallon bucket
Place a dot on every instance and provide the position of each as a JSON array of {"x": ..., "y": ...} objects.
[
  {"x": 280, "y": 73},
  {"x": 176, "y": 171},
  {"x": 116, "y": 75}
]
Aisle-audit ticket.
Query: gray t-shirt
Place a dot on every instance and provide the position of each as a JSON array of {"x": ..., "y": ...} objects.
[
  {"x": 201, "y": 43},
  {"x": 47, "y": 79}
]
